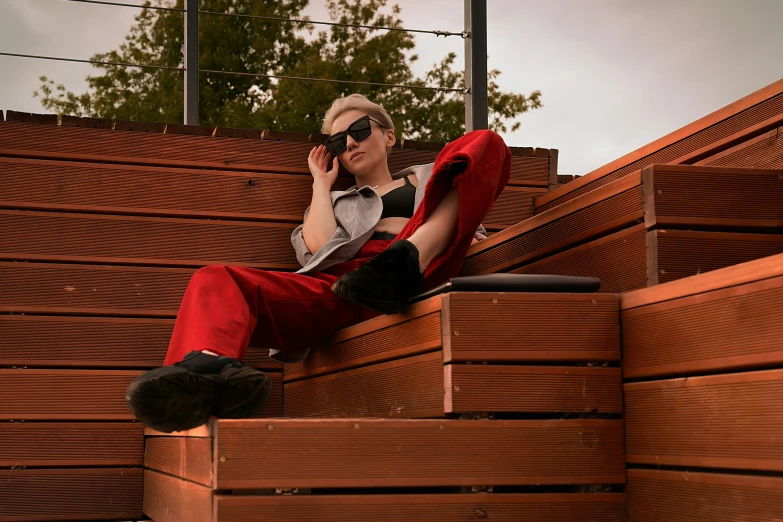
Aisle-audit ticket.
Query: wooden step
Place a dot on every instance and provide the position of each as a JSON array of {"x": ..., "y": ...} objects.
[
  {"x": 717, "y": 421},
  {"x": 69, "y": 395},
  {"x": 762, "y": 152},
  {"x": 92, "y": 238},
  {"x": 662, "y": 196},
  {"x": 636, "y": 258},
  {"x": 677, "y": 496},
  {"x": 464, "y": 352},
  {"x": 71, "y": 494},
  {"x": 94, "y": 342},
  {"x": 725, "y": 320},
  {"x": 529, "y": 167},
  {"x": 740, "y": 121}
]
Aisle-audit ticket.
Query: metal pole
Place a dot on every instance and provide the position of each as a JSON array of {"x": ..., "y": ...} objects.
[
  {"x": 191, "y": 62},
  {"x": 476, "y": 100}
]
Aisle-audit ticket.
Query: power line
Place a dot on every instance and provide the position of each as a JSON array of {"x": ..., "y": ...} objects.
[
  {"x": 234, "y": 73},
  {"x": 462, "y": 34}
]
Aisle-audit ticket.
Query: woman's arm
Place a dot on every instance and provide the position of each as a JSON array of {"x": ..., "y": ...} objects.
[{"x": 320, "y": 224}]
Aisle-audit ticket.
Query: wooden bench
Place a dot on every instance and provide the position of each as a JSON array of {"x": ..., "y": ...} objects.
[
  {"x": 703, "y": 363},
  {"x": 661, "y": 224},
  {"x": 737, "y": 123}
]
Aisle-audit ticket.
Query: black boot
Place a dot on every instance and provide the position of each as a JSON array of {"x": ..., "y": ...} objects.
[
  {"x": 184, "y": 395},
  {"x": 386, "y": 282}
]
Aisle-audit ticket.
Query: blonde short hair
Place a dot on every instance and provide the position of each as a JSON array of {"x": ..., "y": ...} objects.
[{"x": 358, "y": 102}]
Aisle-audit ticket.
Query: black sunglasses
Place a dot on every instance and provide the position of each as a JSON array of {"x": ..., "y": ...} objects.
[{"x": 359, "y": 130}]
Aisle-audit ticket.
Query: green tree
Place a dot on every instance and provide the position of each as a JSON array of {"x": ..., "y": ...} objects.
[{"x": 341, "y": 53}]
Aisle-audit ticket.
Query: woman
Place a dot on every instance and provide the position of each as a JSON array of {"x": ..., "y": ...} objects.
[{"x": 363, "y": 251}]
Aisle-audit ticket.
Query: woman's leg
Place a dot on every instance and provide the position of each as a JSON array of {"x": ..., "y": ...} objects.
[{"x": 468, "y": 176}]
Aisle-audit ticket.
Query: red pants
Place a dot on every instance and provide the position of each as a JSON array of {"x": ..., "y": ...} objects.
[{"x": 225, "y": 309}]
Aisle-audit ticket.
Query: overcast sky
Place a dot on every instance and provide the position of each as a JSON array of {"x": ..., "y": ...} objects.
[{"x": 615, "y": 74}]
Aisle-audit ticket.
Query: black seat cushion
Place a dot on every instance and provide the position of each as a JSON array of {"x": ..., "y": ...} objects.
[{"x": 514, "y": 283}]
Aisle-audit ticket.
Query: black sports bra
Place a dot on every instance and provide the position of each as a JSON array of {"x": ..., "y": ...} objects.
[{"x": 399, "y": 201}]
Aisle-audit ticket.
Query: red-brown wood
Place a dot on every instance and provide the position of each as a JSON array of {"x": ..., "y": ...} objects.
[
  {"x": 171, "y": 499},
  {"x": 189, "y": 458}
]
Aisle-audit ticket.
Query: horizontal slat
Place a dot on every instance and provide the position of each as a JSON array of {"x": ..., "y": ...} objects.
[
  {"x": 52, "y": 444},
  {"x": 170, "y": 499},
  {"x": 81, "y": 394},
  {"x": 514, "y": 205},
  {"x": 189, "y": 458},
  {"x": 552, "y": 507},
  {"x": 733, "y": 328},
  {"x": 683, "y": 253},
  {"x": 721, "y": 421},
  {"x": 71, "y": 494},
  {"x": 619, "y": 260},
  {"x": 761, "y": 152},
  {"x": 585, "y": 218},
  {"x": 751, "y": 271},
  {"x": 409, "y": 388},
  {"x": 528, "y": 389},
  {"x": 389, "y": 453},
  {"x": 675, "y": 496},
  {"x": 715, "y": 131},
  {"x": 95, "y": 290},
  {"x": 93, "y": 342},
  {"x": 55, "y": 236},
  {"x": 526, "y": 327}
]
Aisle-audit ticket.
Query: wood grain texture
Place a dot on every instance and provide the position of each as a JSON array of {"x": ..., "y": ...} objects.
[
  {"x": 71, "y": 494},
  {"x": 683, "y": 253},
  {"x": 669, "y": 496},
  {"x": 619, "y": 260},
  {"x": 534, "y": 507},
  {"x": 530, "y": 327},
  {"x": 763, "y": 152},
  {"x": 53, "y": 444},
  {"x": 715, "y": 128},
  {"x": 720, "y": 421},
  {"x": 90, "y": 238},
  {"x": 28, "y": 394},
  {"x": 748, "y": 272},
  {"x": 532, "y": 389},
  {"x": 735, "y": 328},
  {"x": 189, "y": 458},
  {"x": 170, "y": 499},
  {"x": 94, "y": 342},
  {"x": 514, "y": 205},
  {"x": 389, "y": 453}
]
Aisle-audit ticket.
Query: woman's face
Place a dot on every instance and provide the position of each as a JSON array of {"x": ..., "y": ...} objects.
[{"x": 367, "y": 155}]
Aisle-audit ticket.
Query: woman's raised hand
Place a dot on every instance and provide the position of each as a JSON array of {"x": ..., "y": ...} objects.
[{"x": 319, "y": 161}]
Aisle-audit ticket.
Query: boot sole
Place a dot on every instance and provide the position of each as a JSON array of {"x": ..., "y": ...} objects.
[
  {"x": 241, "y": 392},
  {"x": 385, "y": 306},
  {"x": 171, "y": 398}
]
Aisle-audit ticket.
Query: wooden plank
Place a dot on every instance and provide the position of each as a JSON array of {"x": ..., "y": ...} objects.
[
  {"x": 170, "y": 499},
  {"x": 388, "y": 453},
  {"x": 81, "y": 394},
  {"x": 201, "y": 431},
  {"x": 414, "y": 331},
  {"x": 748, "y": 272},
  {"x": 514, "y": 205},
  {"x": 532, "y": 389},
  {"x": 50, "y": 288},
  {"x": 734, "y": 328},
  {"x": 91, "y": 238},
  {"x": 94, "y": 342},
  {"x": 611, "y": 208},
  {"x": 619, "y": 260},
  {"x": 720, "y": 421},
  {"x": 411, "y": 387},
  {"x": 675, "y": 496},
  {"x": 764, "y": 151},
  {"x": 724, "y": 128},
  {"x": 530, "y": 327},
  {"x": 514, "y": 507},
  {"x": 52, "y": 444},
  {"x": 71, "y": 494},
  {"x": 189, "y": 458},
  {"x": 684, "y": 253}
]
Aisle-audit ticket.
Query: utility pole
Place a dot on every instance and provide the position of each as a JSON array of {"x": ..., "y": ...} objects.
[
  {"x": 476, "y": 100},
  {"x": 191, "y": 62}
]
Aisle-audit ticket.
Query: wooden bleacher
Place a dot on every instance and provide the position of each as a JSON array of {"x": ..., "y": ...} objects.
[{"x": 467, "y": 406}]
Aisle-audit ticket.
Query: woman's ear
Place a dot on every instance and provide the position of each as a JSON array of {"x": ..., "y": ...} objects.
[{"x": 390, "y": 139}]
